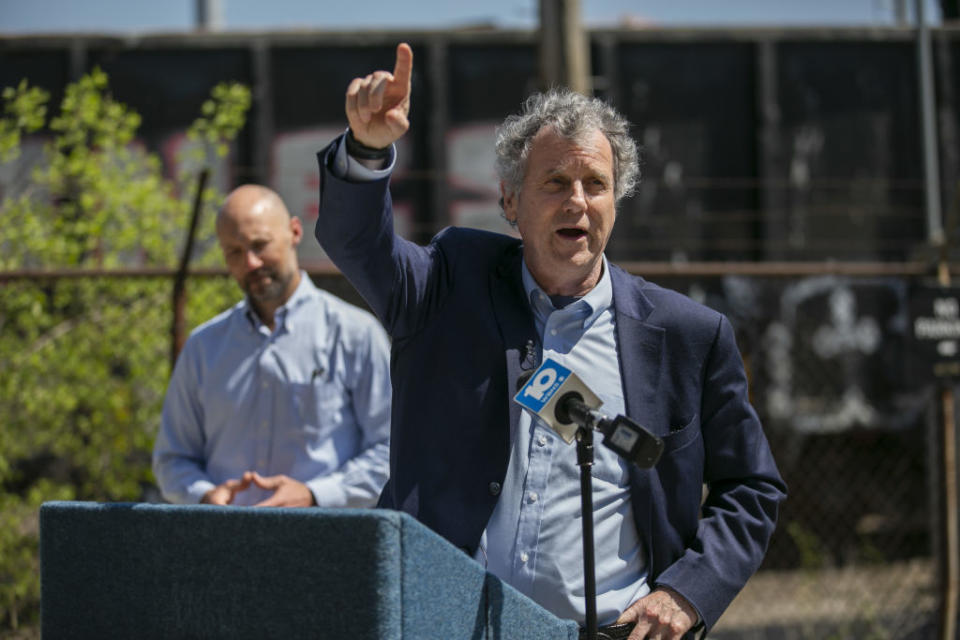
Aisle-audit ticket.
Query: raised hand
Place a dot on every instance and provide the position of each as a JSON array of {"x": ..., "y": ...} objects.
[{"x": 378, "y": 104}]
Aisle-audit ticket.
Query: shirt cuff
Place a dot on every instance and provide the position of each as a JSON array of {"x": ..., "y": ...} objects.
[
  {"x": 198, "y": 489},
  {"x": 349, "y": 168},
  {"x": 328, "y": 491}
]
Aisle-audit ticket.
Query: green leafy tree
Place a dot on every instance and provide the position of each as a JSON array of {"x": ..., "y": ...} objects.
[{"x": 85, "y": 361}]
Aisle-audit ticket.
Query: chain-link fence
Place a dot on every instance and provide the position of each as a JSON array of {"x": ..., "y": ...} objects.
[{"x": 853, "y": 434}]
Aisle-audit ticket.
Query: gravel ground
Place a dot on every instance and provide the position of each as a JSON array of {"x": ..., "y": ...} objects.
[{"x": 894, "y": 601}]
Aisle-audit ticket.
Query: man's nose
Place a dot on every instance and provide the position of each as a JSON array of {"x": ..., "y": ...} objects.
[
  {"x": 578, "y": 198},
  {"x": 253, "y": 260}
]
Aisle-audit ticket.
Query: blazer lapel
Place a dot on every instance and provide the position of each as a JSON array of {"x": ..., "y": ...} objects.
[
  {"x": 515, "y": 320},
  {"x": 640, "y": 345}
]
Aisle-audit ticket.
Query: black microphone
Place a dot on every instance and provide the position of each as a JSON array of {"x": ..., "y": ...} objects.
[
  {"x": 627, "y": 438},
  {"x": 561, "y": 399}
]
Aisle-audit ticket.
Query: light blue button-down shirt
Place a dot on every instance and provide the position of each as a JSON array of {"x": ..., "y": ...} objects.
[
  {"x": 534, "y": 538},
  {"x": 310, "y": 400}
]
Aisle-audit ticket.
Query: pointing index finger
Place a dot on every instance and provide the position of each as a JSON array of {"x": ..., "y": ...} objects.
[{"x": 404, "y": 66}]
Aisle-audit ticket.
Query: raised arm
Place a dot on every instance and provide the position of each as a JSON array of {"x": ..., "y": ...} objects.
[{"x": 402, "y": 282}]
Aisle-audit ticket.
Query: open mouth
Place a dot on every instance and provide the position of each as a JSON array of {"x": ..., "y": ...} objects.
[{"x": 571, "y": 233}]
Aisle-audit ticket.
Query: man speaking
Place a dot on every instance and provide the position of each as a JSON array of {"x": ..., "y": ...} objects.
[{"x": 473, "y": 311}]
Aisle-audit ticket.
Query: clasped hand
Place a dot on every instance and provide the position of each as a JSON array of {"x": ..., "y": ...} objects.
[{"x": 287, "y": 492}]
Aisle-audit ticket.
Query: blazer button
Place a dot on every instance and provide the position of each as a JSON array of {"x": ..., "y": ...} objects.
[{"x": 494, "y": 488}]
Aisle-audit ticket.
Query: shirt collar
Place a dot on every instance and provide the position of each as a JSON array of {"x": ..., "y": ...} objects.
[{"x": 595, "y": 302}]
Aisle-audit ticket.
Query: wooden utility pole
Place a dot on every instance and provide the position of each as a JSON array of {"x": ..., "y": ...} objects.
[{"x": 564, "y": 47}]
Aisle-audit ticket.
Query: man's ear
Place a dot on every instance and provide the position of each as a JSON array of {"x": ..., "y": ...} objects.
[
  {"x": 296, "y": 229},
  {"x": 508, "y": 200}
]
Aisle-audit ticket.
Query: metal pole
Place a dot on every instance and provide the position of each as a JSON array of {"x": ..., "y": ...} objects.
[
  {"x": 209, "y": 15},
  {"x": 262, "y": 120},
  {"x": 951, "y": 591},
  {"x": 178, "y": 332},
  {"x": 931, "y": 163},
  {"x": 937, "y": 237},
  {"x": 585, "y": 462},
  {"x": 952, "y": 579},
  {"x": 900, "y": 13}
]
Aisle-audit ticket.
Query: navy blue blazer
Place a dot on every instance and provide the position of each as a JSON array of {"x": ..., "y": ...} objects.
[{"x": 460, "y": 324}]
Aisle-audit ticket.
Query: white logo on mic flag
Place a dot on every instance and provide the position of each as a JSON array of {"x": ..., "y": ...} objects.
[
  {"x": 541, "y": 383},
  {"x": 545, "y": 387}
]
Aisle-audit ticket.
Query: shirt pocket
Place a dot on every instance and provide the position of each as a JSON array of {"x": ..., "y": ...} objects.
[{"x": 319, "y": 406}]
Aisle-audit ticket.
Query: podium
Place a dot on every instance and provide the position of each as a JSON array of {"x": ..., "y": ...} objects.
[{"x": 166, "y": 571}]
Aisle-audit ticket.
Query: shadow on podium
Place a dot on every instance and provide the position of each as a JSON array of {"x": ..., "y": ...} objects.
[{"x": 171, "y": 571}]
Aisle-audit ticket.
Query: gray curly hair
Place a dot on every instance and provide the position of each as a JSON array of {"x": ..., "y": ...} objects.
[{"x": 572, "y": 115}]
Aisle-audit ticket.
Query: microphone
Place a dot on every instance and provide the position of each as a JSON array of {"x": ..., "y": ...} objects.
[
  {"x": 564, "y": 402},
  {"x": 542, "y": 391},
  {"x": 632, "y": 441}
]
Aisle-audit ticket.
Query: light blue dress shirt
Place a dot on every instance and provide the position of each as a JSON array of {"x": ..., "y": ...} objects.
[
  {"x": 310, "y": 400},
  {"x": 534, "y": 538}
]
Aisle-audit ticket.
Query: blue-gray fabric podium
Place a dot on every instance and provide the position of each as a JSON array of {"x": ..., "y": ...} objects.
[{"x": 165, "y": 571}]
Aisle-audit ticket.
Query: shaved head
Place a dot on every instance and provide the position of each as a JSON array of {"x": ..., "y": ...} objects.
[
  {"x": 251, "y": 199},
  {"x": 259, "y": 240}
]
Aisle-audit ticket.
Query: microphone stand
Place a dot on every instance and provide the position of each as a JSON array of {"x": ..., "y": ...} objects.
[
  {"x": 628, "y": 439},
  {"x": 622, "y": 435},
  {"x": 585, "y": 462}
]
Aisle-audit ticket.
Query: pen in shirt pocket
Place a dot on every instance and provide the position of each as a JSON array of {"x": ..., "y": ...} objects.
[{"x": 317, "y": 373}]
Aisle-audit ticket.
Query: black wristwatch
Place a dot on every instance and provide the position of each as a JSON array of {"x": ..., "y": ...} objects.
[{"x": 361, "y": 151}]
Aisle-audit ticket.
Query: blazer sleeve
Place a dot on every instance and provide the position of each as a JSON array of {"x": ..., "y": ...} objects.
[
  {"x": 400, "y": 280},
  {"x": 744, "y": 489}
]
